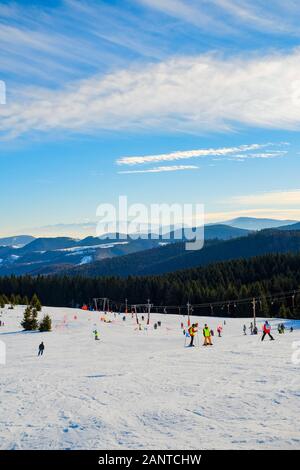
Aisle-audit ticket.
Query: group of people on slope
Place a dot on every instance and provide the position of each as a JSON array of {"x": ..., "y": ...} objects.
[
  {"x": 207, "y": 334},
  {"x": 253, "y": 329},
  {"x": 266, "y": 330}
]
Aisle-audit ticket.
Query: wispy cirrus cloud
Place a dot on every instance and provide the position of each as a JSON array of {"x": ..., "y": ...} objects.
[
  {"x": 50, "y": 44},
  {"x": 191, "y": 12},
  {"x": 280, "y": 17},
  {"x": 235, "y": 153},
  {"x": 161, "y": 169},
  {"x": 198, "y": 94}
]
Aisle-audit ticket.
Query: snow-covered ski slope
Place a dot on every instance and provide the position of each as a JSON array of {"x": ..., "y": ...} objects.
[{"x": 144, "y": 390}]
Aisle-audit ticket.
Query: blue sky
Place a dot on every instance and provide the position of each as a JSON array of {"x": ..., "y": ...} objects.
[{"x": 160, "y": 100}]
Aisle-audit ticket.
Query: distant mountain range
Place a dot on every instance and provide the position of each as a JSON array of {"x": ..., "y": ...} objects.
[
  {"x": 174, "y": 257},
  {"x": 47, "y": 255},
  {"x": 253, "y": 223},
  {"x": 18, "y": 241},
  {"x": 149, "y": 255}
]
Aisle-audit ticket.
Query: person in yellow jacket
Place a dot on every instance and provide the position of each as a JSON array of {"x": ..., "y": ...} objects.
[
  {"x": 207, "y": 336},
  {"x": 192, "y": 332}
]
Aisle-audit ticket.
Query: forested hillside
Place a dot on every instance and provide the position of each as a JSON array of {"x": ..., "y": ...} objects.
[
  {"x": 257, "y": 277},
  {"x": 174, "y": 257}
]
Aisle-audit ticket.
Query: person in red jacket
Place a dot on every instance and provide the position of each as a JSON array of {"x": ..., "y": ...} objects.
[{"x": 267, "y": 331}]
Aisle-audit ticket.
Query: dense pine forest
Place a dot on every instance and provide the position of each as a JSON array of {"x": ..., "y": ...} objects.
[{"x": 225, "y": 282}]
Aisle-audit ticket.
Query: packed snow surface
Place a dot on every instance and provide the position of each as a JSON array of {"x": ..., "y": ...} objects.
[{"x": 145, "y": 390}]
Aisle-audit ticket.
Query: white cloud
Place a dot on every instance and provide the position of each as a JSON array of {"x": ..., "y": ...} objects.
[
  {"x": 202, "y": 93},
  {"x": 222, "y": 152},
  {"x": 271, "y": 198},
  {"x": 282, "y": 17},
  {"x": 189, "y": 12},
  {"x": 161, "y": 169}
]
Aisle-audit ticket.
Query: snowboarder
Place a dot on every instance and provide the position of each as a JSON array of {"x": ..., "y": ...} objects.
[
  {"x": 41, "y": 349},
  {"x": 267, "y": 331},
  {"x": 192, "y": 332},
  {"x": 96, "y": 335},
  {"x": 245, "y": 330},
  {"x": 291, "y": 329},
  {"x": 207, "y": 336}
]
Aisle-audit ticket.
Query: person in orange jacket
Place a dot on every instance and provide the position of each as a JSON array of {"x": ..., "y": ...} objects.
[{"x": 192, "y": 332}]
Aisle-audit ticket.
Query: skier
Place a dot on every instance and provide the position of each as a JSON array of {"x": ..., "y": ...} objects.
[
  {"x": 41, "y": 349},
  {"x": 207, "y": 336},
  {"x": 192, "y": 331},
  {"x": 291, "y": 329},
  {"x": 267, "y": 331},
  {"x": 219, "y": 330},
  {"x": 245, "y": 330},
  {"x": 251, "y": 328},
  {"x": 96, "y": 335}
]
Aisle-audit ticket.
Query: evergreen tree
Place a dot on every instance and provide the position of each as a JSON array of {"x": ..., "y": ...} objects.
[
  {"x": 12, "y": 301},
  {"x": 45, "y": 324},
  {"x": 25, "y": 300},
  {"x": 34, "y": 319},
  {"x": 264, "y": 307},
  {"x": 35, "y": 302},
  {"x": 283, "y": 311},
  {"x": 29, "y": 321}
]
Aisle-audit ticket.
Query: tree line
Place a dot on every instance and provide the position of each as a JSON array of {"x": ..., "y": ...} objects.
[{"x": 259, "y": 277}]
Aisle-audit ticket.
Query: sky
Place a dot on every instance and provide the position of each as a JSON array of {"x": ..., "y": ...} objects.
[{"x": 164, "y": 101}]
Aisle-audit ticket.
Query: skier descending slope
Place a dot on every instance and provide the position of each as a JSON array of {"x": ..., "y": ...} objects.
[
  {"x": 96, "y": 335},
  {"x": 41, "y": 349},
  {"x": 267, "y": 331}
]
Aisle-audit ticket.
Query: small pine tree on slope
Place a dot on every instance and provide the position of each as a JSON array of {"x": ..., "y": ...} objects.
[
  {"x": 35, "y": 302},
  {"x": 45, "y": 324},
  {"x": 29, "y": 322}
]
